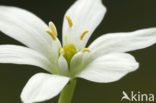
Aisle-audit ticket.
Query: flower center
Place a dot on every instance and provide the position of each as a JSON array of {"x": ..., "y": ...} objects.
[{"x": 68, "y": 51}]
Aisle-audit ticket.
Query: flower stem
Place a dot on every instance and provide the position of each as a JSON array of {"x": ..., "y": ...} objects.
[{"x": 67, "y": 93}]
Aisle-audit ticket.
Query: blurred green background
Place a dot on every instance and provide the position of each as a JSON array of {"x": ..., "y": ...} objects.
[{"x": 122, "y": 16}]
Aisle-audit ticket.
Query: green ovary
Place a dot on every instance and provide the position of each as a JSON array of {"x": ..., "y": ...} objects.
[{"x": 69, "y": 52}]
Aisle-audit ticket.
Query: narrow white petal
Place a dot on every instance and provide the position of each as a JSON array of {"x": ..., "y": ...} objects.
[
  {"x": 63, "y": 65},
  {"x": 22, "y": 55},
  {"x": 86, "y": 15},
  {"x": 79, "y": 62},
  {"x": 123, "y": 42},
  {"x": 109, "y": 68},
  {"x": 42, "y": 87},
  {"x": 28, "y": 29}
]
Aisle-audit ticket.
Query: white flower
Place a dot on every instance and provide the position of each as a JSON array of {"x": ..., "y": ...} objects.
[{"x": 105, "y": 60}]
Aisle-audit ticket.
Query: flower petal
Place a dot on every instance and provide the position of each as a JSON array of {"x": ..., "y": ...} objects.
[
  {"x": 22, "y": 55},
  {"x": 86, "y": 15},
  {"x": 123, "y": 42},
  {"x": 109, "y": 68},
  {"x": 42, "y": 87},
  {"x": 28, "y": 29},
  {"x": 63, "y": 66},
  {"x": 79, "y": 62}
]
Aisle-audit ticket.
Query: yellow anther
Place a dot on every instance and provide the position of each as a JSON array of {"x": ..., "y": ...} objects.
[
  {"x": 85, "y": 50},
  {"x": 70, "y": 23},
  {"x": 53, "y": 28},
  {"x": 51, "y": 34},
  {"x": 61, "y": 51},
  {"x": 83, "y": 34}
]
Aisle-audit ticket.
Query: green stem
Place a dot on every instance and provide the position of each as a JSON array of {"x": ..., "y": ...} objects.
[{"x": 67, "y": 93}]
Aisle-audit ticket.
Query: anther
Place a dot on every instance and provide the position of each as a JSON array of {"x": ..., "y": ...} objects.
[
  {"x": 61, "y": 51},
  {"x": 53, "y": 28},
  {"x": 83, "y": 34},
  {"x": 70, "y": 23},
  {"x": 85, "y": 50},
  {"x": 51, "y": 34}
]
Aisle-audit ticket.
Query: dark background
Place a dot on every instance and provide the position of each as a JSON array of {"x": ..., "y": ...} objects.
[{"x": 122, "y": 16}]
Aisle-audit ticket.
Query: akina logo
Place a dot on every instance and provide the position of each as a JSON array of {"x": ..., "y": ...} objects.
[{"x": 138, "y": 97}]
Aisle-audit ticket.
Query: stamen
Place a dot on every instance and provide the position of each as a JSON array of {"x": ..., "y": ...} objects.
[
  {"x": 53, "y": 28},
  {"x": 61, "y": 51},
  {"x": 65, "y": 40},
  {"x": 83, "y": 34},
  {"x": 51, "y": 34},
  {"x": 85, "y": 50},
  {"x": 70, "y": 23}
]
